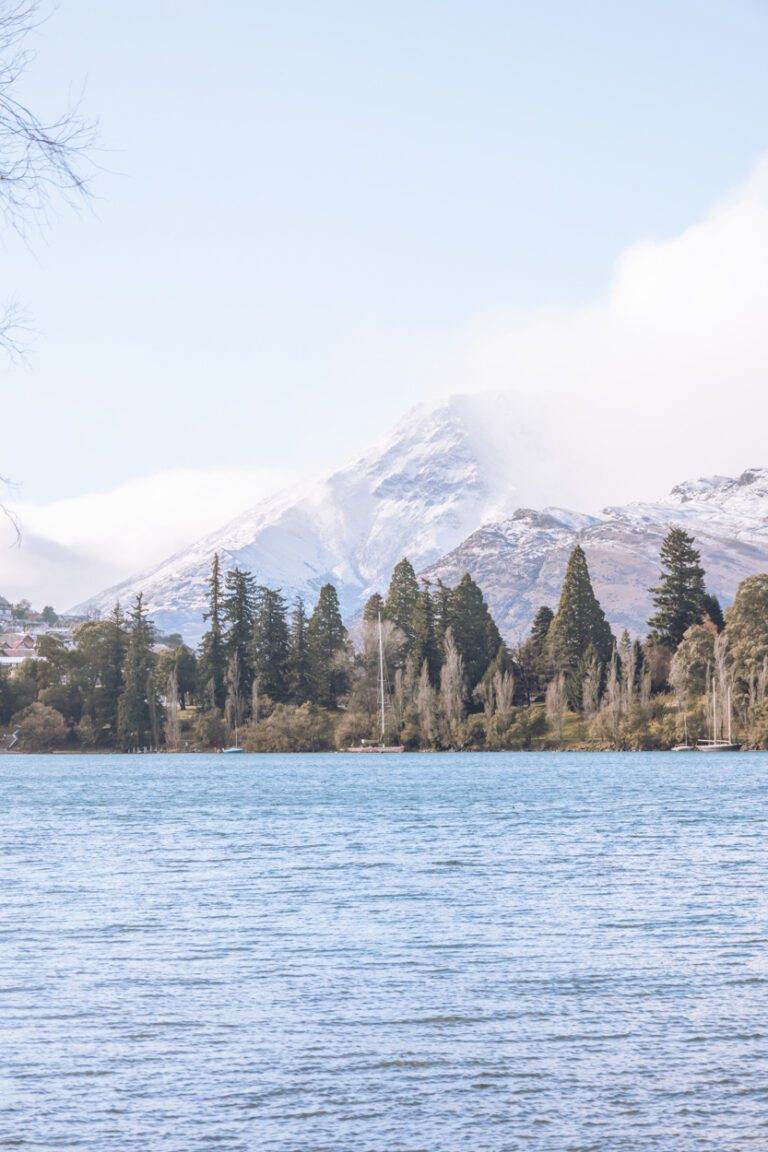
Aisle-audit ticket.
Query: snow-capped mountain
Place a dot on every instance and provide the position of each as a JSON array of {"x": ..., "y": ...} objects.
[
  {"x": 520, "y": 561},
  {"x": 452, "y": 488},
  {"x": 445, "y": 468}
]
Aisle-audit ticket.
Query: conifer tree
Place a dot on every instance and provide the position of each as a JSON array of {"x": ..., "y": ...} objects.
[
  {"x": 579, "y": 621},
  {"x": 212, "y": 663},
  {"x": 271, "y": 644},
  {"x": 138, "y": 703},
  {"x": 531, "y": 655},
  {"x": 374, "y": 607},
  {"x": 238, "y": 611},
  {"x": 402, "y": 597},
  {"x": 425, "y": 648},
  {"x": 299, "y": 663},
  {"x": 542, "y": 622},
  {"x": 711, "y": 610},
  {"x": 111, "y": 674},
  {"x": 679, "y": 596},
  {"x": 441, "y": 600},
  {"x": 473, "y": 628},
  {"x": 327, "y": 639}
]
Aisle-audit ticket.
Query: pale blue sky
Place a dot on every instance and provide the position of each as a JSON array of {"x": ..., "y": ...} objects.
[{"x": 317, "y": 198}]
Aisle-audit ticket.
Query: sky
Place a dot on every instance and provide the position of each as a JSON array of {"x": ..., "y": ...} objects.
[{"x": 310, "y": 216}]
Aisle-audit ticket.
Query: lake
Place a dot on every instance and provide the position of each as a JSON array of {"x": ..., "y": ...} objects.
[{"x": 447, "y": 952}]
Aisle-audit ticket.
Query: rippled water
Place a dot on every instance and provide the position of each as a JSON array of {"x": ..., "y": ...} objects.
[{"x": 428, "y": 952}]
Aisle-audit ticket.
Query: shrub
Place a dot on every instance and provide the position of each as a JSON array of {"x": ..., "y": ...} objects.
[
  {"x": 41, "y": 728},
  {"x": 291, "y": 729},
  {"x": 209, "y": 730}
]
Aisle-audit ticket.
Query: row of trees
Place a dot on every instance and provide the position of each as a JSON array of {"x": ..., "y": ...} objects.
[
  {"x": 278, "y": 677},
  {"x": 274, "y": 675}
]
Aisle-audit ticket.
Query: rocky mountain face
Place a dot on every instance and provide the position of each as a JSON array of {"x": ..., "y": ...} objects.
[
  {"x": 449, "y": 488},
  {"x": 520, "y": 561}
]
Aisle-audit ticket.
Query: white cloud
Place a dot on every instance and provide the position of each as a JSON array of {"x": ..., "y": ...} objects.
[
  {"x": 663, "y": 379},
  {"x": 75, "y": 547},
  {"x": 666, "y": 376}
]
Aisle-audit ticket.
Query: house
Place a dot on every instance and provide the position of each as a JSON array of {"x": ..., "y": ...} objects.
[{"x": 16, "y": 647}]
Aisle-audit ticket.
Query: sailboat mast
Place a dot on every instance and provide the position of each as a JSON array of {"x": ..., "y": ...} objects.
[
  {"x": 730, "y": 717},
  {"x": 714, "y": 711},
  {"x": 381, "y": 677}
]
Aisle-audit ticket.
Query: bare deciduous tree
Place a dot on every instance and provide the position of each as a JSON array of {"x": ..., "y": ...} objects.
[
  {"x": 556, "y": 702},
  {"x": 42, "y": 162},
  {"x": 172, "y": 724}
]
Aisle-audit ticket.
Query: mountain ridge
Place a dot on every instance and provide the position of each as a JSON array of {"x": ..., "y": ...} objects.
[{"x": 456, "y": 486}]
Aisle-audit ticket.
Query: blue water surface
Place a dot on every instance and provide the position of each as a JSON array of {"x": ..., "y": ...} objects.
[{"x": 449, "y": 952}]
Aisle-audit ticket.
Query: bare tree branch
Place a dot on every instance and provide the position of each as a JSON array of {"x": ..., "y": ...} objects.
[{"x": 42, "y": 163}]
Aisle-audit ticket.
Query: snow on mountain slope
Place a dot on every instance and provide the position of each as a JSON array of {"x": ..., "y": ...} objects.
[
  {"x": 520, "y": 562},
  {"x": 445, "y": 468}
]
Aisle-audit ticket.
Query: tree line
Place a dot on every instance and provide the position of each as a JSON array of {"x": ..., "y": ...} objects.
[{"x": 278, "y": 676}]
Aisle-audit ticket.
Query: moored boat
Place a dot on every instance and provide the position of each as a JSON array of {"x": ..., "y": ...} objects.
[
  {"x": 716, "y": 743},
  {"x": 370, "y": 746}
]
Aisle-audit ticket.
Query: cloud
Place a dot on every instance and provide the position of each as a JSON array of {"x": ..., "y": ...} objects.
[
  {"x": 73, "y": 548},
  {"x": 663, "y": 378}
]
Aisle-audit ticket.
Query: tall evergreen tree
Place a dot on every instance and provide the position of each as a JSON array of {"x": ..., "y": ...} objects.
[
  {"x": 238, "y": 612},
  {"x": 402, "y": 597},
  {"x": 542, "y": 622},
  {"x": 212, "y": 662},
  {"x": 374, "y": 607},
  {"x": 111, "y": 673},
  {"x": 713, "y": 611},
  {"x": 531, "y": 655},
  {"x": 441, "y": 600},
  {"x": 474, "y": 630},
  {"x": 579, "y": 621},
  {"x": 138, "y": 702},
  {"x": 679, "y": 596},
  {"x": 299, "y": 663},
  {"x": 425, "y": 647},
  {"x": 271, "y": 644},
  {"x": 327, "y": 638}
]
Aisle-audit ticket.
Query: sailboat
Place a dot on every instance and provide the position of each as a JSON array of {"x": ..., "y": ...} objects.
[
  {"x": 714, "y": 744},
  {"x": 686, "y": 745},
  {"x": 235, "y": 747},
  {"x": 369, "y": 746}
]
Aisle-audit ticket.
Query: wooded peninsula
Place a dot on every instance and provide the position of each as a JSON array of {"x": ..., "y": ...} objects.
[{"x": 280, "y": 678}]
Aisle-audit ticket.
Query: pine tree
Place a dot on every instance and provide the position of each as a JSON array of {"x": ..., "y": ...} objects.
[
  {"x": 327, "y": 638},
  {"x": 111, "y": 674},
  {"x": 473, "y": 628},
  {"x": 402, "y": 597},
  {"x": 299, "y": 663},
  {"x": 679, "y": 596},
  {"x": 425, "y": 647},
  {"x": 138, "y": 703},
  {"x": 238, "y": 611},
  {"x": 711, "y": 610},
  {"x": 531, "y": 655},
  {"x": 374, "y": 607},
  {"x": 579, "y": 621},
  {"x": 212, "y": 663},
  {"x": 542, "y": 622},
  {"x": 441, "y": 600},
  {"x": 271, "y": 645}
]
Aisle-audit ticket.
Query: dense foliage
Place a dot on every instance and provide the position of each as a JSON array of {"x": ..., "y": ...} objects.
[{"x": 277, "y": 677}]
